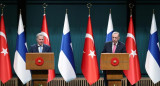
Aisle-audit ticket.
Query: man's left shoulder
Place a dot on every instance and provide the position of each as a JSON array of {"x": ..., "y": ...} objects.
[
  {"x": 121, "y": 43},
  {"x": 45, "y": 45}
]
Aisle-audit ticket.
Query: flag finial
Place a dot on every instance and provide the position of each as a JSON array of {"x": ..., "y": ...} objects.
[
  {"x": 110, "y": 11},
  {"x": 44, "y": 7},
  {"x": 20, "y": 11},
  {"x": 2, "y": 7},
  {"x": 89, "y": 5},
  {"x": 66, "y": 11},
  {"x": 131, "y": 5},
  {"x": 153, "y": 11}
]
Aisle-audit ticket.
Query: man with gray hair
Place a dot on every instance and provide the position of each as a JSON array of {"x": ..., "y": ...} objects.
[
  {"x": 114, "y": 46},
  {"x": 40, "y": 46}
]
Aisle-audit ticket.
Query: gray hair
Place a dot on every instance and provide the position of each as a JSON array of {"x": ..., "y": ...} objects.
[
  {"x": 39, "y": 34},
  {"x": 115, "y": 32}
]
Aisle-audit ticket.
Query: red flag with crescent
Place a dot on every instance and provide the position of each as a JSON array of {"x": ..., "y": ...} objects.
[
  {"x": 5, "y": 63},
  {"x": 44, "y": 30},
  {"x": 89, "y": 64}
]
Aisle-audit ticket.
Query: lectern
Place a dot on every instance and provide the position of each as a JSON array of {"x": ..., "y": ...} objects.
[
  {"x": 39, "y": 63},
  {"x": 114, "y": 64}
]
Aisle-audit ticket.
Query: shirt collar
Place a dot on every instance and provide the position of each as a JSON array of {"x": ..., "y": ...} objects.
[
  {"x": 116, "y": 43},
  {"x": 39, "y": 45}
]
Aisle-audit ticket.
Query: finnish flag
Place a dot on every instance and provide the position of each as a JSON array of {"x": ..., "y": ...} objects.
[
  {"x": 20, "y": 55},
  {"x": 152, "y": 64},
  {"x": 66, "y": 63},
  {"x": 109, "y": 29}
]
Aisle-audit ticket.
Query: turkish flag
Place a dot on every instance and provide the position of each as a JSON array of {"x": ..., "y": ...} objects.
[
  {"x": 89, "y": 64},
  {"x": 44, "y": 30},
  {"x": 134, "y": 73},
  {"x": 5, "y": 63}
]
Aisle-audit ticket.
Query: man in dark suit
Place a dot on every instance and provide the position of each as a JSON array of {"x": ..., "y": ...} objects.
[
  {"x": 40, "y": 47},
  {"x": 115, "y": 46}
]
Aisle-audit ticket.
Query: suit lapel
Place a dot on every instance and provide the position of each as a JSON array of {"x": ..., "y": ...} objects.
[
  {"x": 117, "y": 48},
  {"x": 43, "y": 48},
  {"x": 37, "y": 48}
]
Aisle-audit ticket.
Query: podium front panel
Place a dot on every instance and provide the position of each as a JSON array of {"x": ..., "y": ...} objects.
[
  {"x": 32, "y": 59},
  {"x": 106, "y": 61}
]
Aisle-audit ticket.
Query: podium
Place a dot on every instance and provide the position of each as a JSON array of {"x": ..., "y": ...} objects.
[
  {"x": 114, "y": 64},
  {"x": 39, "y": 63}
]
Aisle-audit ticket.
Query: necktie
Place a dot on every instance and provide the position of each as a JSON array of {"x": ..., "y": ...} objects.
[
  {"x": 40, "y": 49},
  {"x": 114, "y": 48}
]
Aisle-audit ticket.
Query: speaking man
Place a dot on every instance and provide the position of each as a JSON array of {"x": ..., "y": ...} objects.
[
  {"x": 40, "y": 47},
  {"x": 114, "y": 46}
]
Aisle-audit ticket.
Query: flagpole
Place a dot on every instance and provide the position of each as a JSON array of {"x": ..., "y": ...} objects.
[
  {"x": 89, "y": 5},
  {"x": 20, "y": 11},
  {"x": 2, "y": 7},
  {"x": 44, "y": 7},
  {"x": 66, "y": 11},
  {"x": 110, "y": 11},
  {"x": 131, "y": 5}
]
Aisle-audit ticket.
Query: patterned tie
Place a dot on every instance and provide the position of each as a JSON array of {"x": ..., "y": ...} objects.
[
  {"x": 40, "y": 49},
  {"x": 114, "y": 48}
]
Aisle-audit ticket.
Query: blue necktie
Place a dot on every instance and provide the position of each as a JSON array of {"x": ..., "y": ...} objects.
[{"x": 40, "y": 49}]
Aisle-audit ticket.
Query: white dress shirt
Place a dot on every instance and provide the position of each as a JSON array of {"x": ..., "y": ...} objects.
[{"x": 39, "y": 48}]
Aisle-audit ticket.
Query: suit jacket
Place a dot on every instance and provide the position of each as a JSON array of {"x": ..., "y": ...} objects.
[
  {"x": 34, "y": 48},
  {"x": 119, "y": 49}
]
